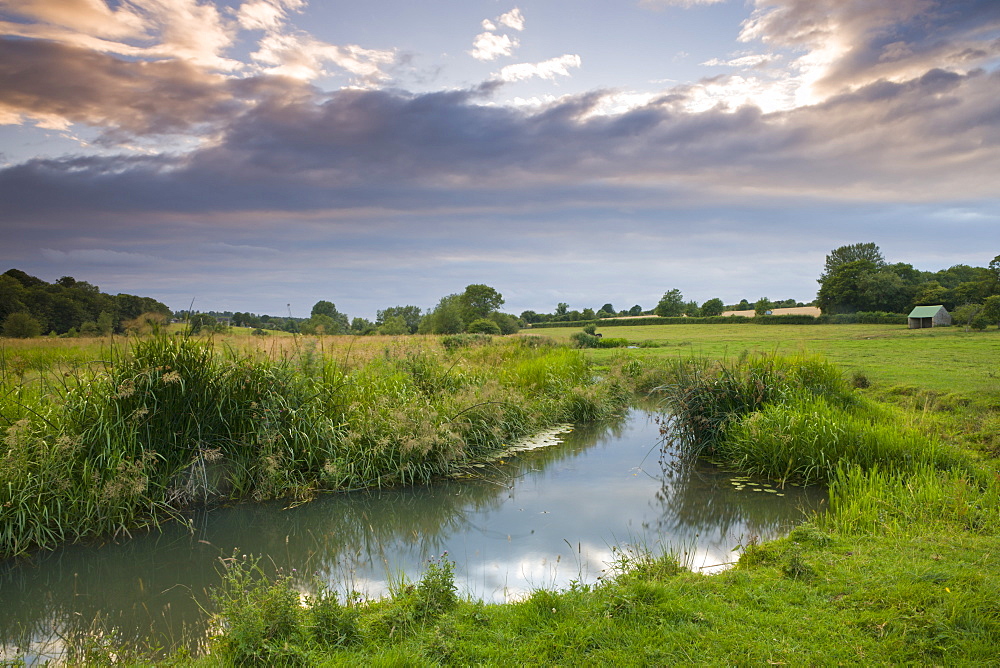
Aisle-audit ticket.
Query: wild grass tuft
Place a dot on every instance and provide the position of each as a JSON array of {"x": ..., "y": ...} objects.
[{"x": 704, "y": 397}]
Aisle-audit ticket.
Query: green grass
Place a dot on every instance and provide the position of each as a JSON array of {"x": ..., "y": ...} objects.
[
  {"x": 904, "y": 567},
  {"x": 944, "y": 359}
]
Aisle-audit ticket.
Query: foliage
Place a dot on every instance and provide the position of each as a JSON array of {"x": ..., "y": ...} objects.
[
  {"x": 858, "y": 278},
  {"x": 712, "y": 307},
  {"x": 671, "y": 304},
  {"x": 448, "y": 317},
  {"x": 394, "y": 325},
  {"x": 479, "y": 301},
  {"x": 862, "y": 252},
  {"x": 705, "y": 398},
  {"x": 21, "y": 326},
  {"x": 409, "y": 314},
  {"x": 68, "y": 303},
  {"x": 483, "y": 326},
  {"x": 761, "y": 306}
]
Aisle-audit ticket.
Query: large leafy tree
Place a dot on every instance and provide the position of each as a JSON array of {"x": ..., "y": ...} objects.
[
  {"x": 671, "y": 304},
  {"x": 338, "y": 322},
  {"x": 843, "y": 289},
  {"x": 479, "y": 301},
  {"x": 712, "y": 307},
  {"x": 838, "y": 257}
]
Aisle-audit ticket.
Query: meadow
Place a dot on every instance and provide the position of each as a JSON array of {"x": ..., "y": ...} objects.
[{"x": 903, "y": 567}]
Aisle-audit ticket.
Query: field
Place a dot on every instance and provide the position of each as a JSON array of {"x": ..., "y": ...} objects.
[
  {"x": 945, "y": 359},
  {"x": 904, "y": 426}
]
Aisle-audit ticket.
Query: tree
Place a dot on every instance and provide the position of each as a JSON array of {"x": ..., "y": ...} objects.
[
  {"x": 761, "y": 306},
  {"x": 635, "y": 310},
  {"x": 991, "y": 310},
  {"x": 530, "y": 317},
  {"x": 607, "y": 308},
  {"x": 409, "y": 314},
  {"x": 712, "y": 307},
  {"x": 844, "y": 290},
  {"x": 480, "y": 300},
  {"x": 394, "y": 325},
  {"x": 930, "y": 294},
  {"x": 562, "y": 308},
  {"x": 21, "y": 326},
  {"x": 691, "y": 309},
  {"x": 588, "y": 314},
  {"x": 323, "y": 307},
  {"x": 446, "y": 318},
  {"x": 338, "y": 324},
  {"x": 362, "y": 326},
  {"x": 105, "y": 323},
  {"x": 201, "y": 321},
  {"x": 852, "y": 253},
  {"x": 670, "y": 305}
]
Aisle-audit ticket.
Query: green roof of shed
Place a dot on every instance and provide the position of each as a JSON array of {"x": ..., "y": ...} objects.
[{"x": 925, "y": 311}]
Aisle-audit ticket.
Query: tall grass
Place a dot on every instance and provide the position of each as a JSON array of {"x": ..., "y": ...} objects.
[
  {"x": 166, "y": 422},
  {"x": 704, "y": 396},
  {"x": 793, "y": 418}
]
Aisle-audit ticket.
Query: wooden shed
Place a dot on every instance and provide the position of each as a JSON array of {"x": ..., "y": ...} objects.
[{"x": 928, "y": 316}]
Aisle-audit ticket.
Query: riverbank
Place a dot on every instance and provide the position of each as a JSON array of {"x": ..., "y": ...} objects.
[
  {"x": 904, "y": 568},
  {"x": 159, "y": 425}
]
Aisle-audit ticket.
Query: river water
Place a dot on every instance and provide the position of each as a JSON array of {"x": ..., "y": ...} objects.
[{"x": 541, "y": 519}]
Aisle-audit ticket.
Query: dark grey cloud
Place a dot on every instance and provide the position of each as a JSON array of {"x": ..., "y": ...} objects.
[{"x": 933, "y": 136}]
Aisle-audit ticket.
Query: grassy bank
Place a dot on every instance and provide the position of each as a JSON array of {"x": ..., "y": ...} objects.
[
  {"x": 945, "y": 359},
  {"x": 903, "y": 568},
  {"x": 109, "y": 437}
]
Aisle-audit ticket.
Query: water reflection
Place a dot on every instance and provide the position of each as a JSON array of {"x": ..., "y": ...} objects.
[{"x": 541, "y": 519}]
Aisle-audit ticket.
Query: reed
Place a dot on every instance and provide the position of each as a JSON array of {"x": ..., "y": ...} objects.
[
  {"x": 166, "y": 422},
  {"x": 704, "y": 397}
]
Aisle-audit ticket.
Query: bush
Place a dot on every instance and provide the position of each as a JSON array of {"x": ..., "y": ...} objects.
[
  {"x": 483, "y": 326},
  {"x": 21, "y": 326}
]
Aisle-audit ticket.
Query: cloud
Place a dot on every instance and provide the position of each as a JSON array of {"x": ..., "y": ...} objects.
[
  {"x": 100, "y": 257},
  {"x": 52, "y": 82},
  {"x": 267, "y": 14},
  {"x": 303, "y": 57},
  {"x": 547, "y": 69},
  {"x": 747, "y": 61},
  {"x": 512, "y": 19},
  {"x": 490, "y": 46},
  {"x": 847, "y": 44},
  {"x": 659, "y": 4},
  {"x": 183, "y": 29},
  {"x": 936, "y": 137}
]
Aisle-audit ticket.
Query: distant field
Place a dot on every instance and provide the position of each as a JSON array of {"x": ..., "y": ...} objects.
[{"x": 943, "y": 359}]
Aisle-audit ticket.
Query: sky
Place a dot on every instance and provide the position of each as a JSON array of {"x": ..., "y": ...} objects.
[{"x": 264, "y": 155}]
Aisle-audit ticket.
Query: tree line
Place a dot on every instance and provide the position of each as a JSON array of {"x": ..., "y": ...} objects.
[
  {"x": 30, "y": 306},
  {"x": 857, "y": 277}
]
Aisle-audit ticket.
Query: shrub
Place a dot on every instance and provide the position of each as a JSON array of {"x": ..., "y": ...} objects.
[
  {"x": 483, "y": 326},
  {"x": 21, "y": 326}
]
